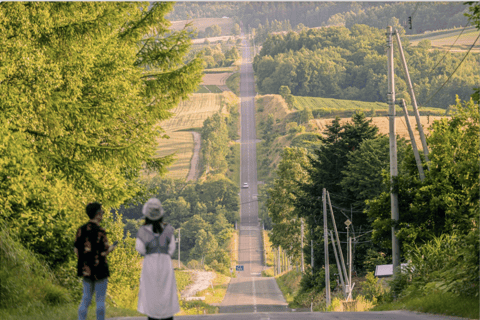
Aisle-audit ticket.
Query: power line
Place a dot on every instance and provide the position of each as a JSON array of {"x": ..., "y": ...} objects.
[
  {"x": 449, "y": 48},
  {"x": 433, "y": 95}
]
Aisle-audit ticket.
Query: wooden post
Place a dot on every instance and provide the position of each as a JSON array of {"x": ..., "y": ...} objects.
[
  {"x": 414, "y": 101},
  {"x": 414, "y": 144},
  {"x": 393, "y": 146},
  {"x": 303, "y": 266},
  {"x": 325, "y": 242},
  {"x": 179, "y": 248}
]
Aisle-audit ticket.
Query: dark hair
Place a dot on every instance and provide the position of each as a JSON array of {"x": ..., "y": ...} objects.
[
  {"x": 157, "y": 224},
  {"x": 92, "y": 209}
]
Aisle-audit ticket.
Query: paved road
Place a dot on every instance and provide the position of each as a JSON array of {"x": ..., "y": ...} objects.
[
  {"x": 380, "y": 315},
  {"x": 249, "y": 292}
]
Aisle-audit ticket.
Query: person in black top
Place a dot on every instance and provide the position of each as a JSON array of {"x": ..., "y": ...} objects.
[{"x": 92, "y": 248}]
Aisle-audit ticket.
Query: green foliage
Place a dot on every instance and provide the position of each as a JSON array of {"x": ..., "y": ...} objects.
[
  {"x": 37, "y": 284},
  {"x": 372, "y": 259},
  {"x": 447, "y": 201},
  {"x": 371, "y": 288},
  {"x": 445, "y": 304},
  {"x": 215, "y": 143},
  {"x": 83, "y": 85},
  {"x": 291, "y": 172},
  {"x": 342, "y": 63}
]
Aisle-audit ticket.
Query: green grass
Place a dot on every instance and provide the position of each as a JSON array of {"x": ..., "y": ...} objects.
[
  {"x": 289, "y": 284},
  {"x": 213, "y": 88},
  {"x": 327, "y": 107},
  {"x": 439, "y": 34},
  {"x": 446, "y": 304},
  {"x": 183, "y": 279},
  {"x": 220, "y": 70},
  {"x": 233, "y": 83},
  {"x": 202, "y": 89}
]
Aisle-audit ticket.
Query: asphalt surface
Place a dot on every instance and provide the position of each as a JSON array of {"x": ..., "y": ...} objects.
[
  {"x": 379, "y": 315},
  {"x": 249, "y": 292}
]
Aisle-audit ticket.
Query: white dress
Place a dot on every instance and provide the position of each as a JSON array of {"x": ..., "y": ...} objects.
[{"x": 158, "y": 296}]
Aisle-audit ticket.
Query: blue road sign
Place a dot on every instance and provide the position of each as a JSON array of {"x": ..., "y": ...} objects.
[{"x": 239, "y": 268}]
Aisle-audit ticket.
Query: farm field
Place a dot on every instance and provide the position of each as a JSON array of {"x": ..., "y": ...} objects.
[
  {"x": 327, "y": 107},
  {"x": 383, "y": 125},
  {"x": 216, "y": 79},
  {"x": 201, "y": 24},
  {"x": 444, "y": 39},
  {"x": 181, "y": 143},
  {"x": 189, "y": 115}
]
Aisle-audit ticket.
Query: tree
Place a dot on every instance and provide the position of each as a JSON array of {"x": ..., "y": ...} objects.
[
  {"x": 292, "y": 171},
  {"x": 236, "y": 29},
  {"x": 447, "y": 200},
  {"x": 83, "y": 86}
]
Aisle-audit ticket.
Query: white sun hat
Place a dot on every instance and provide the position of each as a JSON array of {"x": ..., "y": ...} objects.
[{"x": 152, "y": 209}]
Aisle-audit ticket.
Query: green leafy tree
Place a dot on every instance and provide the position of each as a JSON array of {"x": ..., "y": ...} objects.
[
  {"x": 447, "y": 201},
  {"x": 215, "y": 143},
  {"x": 292, "y": 171},
  {"x": 83, "y": 86},
  {"x": 236, "y": 29}
]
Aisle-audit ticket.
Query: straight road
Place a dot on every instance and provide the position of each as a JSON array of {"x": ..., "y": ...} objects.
[{"x": 250, "y": 292}]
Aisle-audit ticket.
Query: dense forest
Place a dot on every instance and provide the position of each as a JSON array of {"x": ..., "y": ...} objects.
[
  {"x": 425, "y": 15},
  {"x": 350, "y": 63}
]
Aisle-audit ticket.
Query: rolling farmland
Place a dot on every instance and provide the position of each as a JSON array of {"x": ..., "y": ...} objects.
[
  {"x": 189, "y": 115},
  {"x": 180, "y": 143},
  {"x": 201, "y": 24},
  {"x": 444, "y": 39}
]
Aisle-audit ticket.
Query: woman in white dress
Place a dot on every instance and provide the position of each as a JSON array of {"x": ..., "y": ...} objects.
[{"x": 158, "y": 297}]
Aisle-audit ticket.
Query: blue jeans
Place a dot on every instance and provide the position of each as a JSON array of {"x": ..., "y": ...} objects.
[{"x": 100, "y": 288}]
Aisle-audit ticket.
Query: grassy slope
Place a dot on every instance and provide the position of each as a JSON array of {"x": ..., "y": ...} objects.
[
  {"x": 444, "y": 39},
  {"x": 328, "y": 107}
]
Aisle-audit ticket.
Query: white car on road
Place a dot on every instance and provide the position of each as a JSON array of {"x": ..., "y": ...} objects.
[{"x": 245, "y": 185}]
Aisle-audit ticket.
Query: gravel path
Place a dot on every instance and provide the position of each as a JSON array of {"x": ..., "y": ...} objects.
[
  {"x": 201, "y": 281},
  {"x": 193, "y": 173}
]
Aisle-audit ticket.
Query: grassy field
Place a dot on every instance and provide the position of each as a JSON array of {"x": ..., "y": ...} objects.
[
  {"x": 192, "y": 113},
  {"x": 326, "y": 107},
  {"x": 267, "y": 244},
  {"x": 444, "y": 39},
  {"x": 201, "y": 24},
  {"x": 181, "y": 143}
]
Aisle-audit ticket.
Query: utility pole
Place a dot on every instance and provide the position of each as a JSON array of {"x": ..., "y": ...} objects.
[
  {"x": 338, "y": 263},
  {"x": 414, "y": 143},
  {"x": 414, "y": 101},
  {"x": 344, "y": 269},
  {"x": 393, "y": 147},
  {"x": 311, "y": 253},
  {"x": 303, "y": 266},
  {"x": 325, "y": 242},
  {"x": 179, "y": 248}
]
